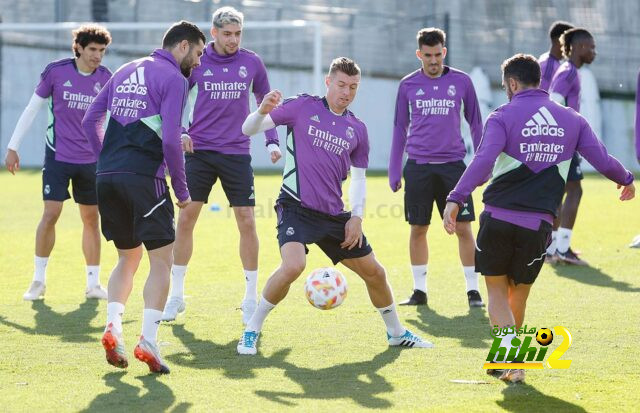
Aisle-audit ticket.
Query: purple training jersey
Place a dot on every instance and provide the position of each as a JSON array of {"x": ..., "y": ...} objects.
[
  {"x": 548, "y": 67},
  {"x": 144, "y": 101},
  {"x": 533, "y": 140},
  {"x": 427, "y": 119},
  {"x": 219, "y": 98},
  {"x": 321, "y": 147},
  {"x": 566, "y": 83},
  {"x": 69, "y": 95}
]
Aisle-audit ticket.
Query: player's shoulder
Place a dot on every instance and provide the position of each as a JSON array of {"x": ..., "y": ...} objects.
[
  {"x": 543, "y": 57},
  {"x": 411, "y": 76},
  {"x": 356, "y": 121},
  {"x": 302, "y": 98},
  {"x": 57, "y": 65},
  {"x": 248, "y": 54},
  {"x": 104, "y": 71},
  {"x": 459, "y": 75}
]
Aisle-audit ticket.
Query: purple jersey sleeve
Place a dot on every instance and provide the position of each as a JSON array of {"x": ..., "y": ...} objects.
[
  {"x": 472, "y": 114},
  {"x": 286, "y": 113},
  {"x": 260, "y": 89},
  {"x": 360, "y": 155},
  {"x": 492, "y": 144},
  {"x": 638, "y": 119},
  {"x": 45, "y": 87},
  {"x": 564, "y": 83},
  {"x": 590, "y": 147},
  {"x": 94, "y": 117},
  {"x": 399, "y": 140},
  {"x": 171, "y": 107}
]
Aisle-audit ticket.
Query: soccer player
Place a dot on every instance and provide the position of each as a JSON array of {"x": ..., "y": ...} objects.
[
  {"x": 325, "y": 140},
  {"x": 550, "y": 61},
  {"x": 67, "y": 86},
  {"x": 578, "y": 48},
  {"x": 427, "y": 123},
  {"x": 144, "y": 100},
  {"x": 217, "y": 148},
  {"x": 533, "y": 140}
]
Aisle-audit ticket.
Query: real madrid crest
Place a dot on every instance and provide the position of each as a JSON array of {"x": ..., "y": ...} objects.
[
  {"x": 242, "y": 72},
  {"x": 350, "y": 132},
  {"x": 452, "y": 90},
  {"x": 97, "y": 87}
]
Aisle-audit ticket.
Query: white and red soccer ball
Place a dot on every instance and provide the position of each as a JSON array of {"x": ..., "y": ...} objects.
[{"x": 325, "y": 288}]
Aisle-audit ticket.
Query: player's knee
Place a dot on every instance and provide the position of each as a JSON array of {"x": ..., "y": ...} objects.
[
  {"x": 50, "y": 217},
  {"x": 246, "y": 223},
  {"x": 419, "y": 230},
  {"x": 574, "y": 190},
  {"x": 376, "y": 274},
  {"x": 292, "y": 269},
  {"x": 463, "y": 230},
  {"x": 91, "y": 219}
]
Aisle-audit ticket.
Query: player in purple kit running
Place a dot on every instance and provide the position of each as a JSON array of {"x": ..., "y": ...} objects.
[
  {"x": 324, "y": 141},
  {"x": 579, "y": 48},
  {"x": 144, "y": 102},
  {"x": 427, "y": 122},
  {"x": 67, "y": 86},
  {"x": 216, "y": 148},
  {"x": 531, "y": 140},
  {"x": 551, "y": 60}
]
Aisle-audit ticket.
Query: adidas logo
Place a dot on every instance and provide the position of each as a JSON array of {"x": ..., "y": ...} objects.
[
  {"x": 465, "y": 212},
  {"x": 67, "y": 84},
  {"x": 134, "y": 84},
  {"x": 207, "y": 73},
  {"x": 542, "y": 123},
  {"x": 252, "y": 196},
  {"x": 315, "y": 118},
  {"x": 420, "y": 92}
]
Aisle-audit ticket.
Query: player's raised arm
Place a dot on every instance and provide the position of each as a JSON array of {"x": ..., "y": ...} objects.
[
  {"x": 260, "y": 121},
  {"x": 399, "y": 141},
  {"x": 12, "y": 160}
]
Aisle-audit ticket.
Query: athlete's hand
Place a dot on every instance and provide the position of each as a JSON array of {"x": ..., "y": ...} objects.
[
  {"x": 183, "y": 204},
  {"x": 12, "y": 161},
  {"x": 352, "y": 233},
  {"x": 269, "y": 102},
  {"x": 396, "y": 185},
  {"x": 275, "y": 156},
  {"x": 628, "y": 192},
  {"x": 449, "y": 217},
  {"x": 187, "y": 143}
]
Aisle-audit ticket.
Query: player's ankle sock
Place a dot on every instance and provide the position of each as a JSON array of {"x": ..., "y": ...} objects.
[
  {"x": 391, "y": 320},
  {"x": 93, "y": 275},
  {"x": 257, "y": 320},
  {"x": 563, "y": 240},
  {"x": 114, "y": 315},
  {"x": 40, "y": 273},
  {"x": 251, "y": 292},
  {"x": 178, "y": 273},
  {"x": 471, "y": 277},
  {"x": 551, "y": 249},
  {"x": 419, "y": 277},
  {"x": 150, "y": 322}
]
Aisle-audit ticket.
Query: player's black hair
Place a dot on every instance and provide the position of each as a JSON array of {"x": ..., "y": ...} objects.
[
  {"x": 571, "y": 37},
  {"x": 522, "y": 67},
  {"x": 345, "y": 65},
  {"x": 183, "y": 30},
  {"x": 431, "y": 36},
  {"x": 557, "y": 28},
  {"x": 89, "y": 33}
]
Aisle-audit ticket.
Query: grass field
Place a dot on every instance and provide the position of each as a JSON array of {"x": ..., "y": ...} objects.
[{"x": 51, "y": 358}]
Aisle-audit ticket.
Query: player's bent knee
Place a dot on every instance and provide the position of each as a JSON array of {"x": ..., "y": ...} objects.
[{"x": 292, "y": 270}]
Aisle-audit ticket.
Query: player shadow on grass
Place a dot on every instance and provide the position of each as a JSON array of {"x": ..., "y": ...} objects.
[
  {"x": 593, "y": 276},
  {"x": 471, "y": 328},
  {"x": 126, "y": 397},
  {"x": 73, "y": 327},
  {"x": 359, "y": 381},
  {"x": 522, "y": 397}
]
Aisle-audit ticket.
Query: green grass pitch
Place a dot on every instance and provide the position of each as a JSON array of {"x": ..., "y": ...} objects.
[{"x": 311, "y": 360}]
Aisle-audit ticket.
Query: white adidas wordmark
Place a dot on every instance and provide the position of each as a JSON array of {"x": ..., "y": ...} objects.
[
  {"x": 207, "y": 73},
  {"x": 315, "y": 118},
  {"x": 542, "y": 123},
  {"x": 134, "y": 84}
]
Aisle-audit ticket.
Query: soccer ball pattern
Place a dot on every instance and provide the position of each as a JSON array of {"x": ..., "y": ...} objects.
[
  {"x": 325, "y": 288},
  {"x": 544, "y": 336}
]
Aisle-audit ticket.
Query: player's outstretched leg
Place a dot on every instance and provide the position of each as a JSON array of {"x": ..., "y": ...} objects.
[
  {"x": 119, "y": 288},
  {"x": 45, "y": 239},
  {"x": 375, "y": 278},
  {"x": 182, "y": 251},
  {"x": 249, "y": 248},
  {"x": 276, "y": 288},
  {"x": 467, "y": 249},
  {"x": 155, "y": 296}
]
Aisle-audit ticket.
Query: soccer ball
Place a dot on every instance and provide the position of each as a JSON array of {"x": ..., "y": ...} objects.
[
  {"x": 544, "y": 336},
  {"x": 325, "y": 288}
]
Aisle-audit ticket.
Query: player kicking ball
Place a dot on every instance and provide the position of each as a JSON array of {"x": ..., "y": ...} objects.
[
  {"x": 325, "y": 140},
  {"x": 529, "y": 177}
]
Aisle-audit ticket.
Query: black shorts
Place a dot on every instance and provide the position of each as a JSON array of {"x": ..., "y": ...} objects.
[
  {"x": 203, "y": 168},
  {"x": 503, "y": 248},
  {"x": 425, "y": 183},
  {"x": 575, "y": 172},
  {"x": 135, "y": 209},
  {"x": 55, "y": 181},
  {"x": 299, "y": 224}
]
